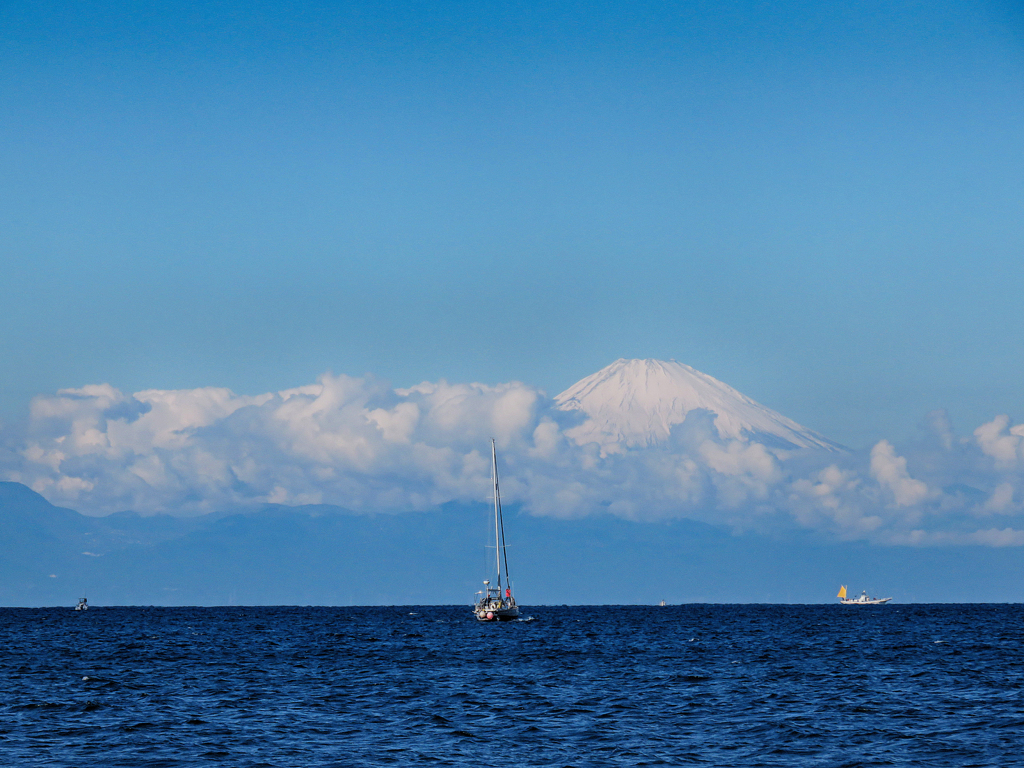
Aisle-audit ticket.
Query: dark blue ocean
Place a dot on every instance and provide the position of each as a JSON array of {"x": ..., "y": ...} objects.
[{"x": 716, "y": 685}]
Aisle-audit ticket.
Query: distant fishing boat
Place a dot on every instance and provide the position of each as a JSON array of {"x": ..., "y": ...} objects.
[
  {"x": 862, "y": 599},
  {"x": 492, "y": 604},
  {"x": 83, "y": 604}
]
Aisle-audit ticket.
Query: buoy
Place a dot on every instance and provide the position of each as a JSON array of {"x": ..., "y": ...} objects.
[{"x": 490, "y": 615}]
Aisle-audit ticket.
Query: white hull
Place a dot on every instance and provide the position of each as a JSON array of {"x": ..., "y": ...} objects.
[
  {"x": 497, "y": 614},
  {"x": 862, "y": 599}
]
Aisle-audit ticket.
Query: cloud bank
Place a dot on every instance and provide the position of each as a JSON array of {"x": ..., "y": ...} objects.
[{"x": 357, "y": 443}]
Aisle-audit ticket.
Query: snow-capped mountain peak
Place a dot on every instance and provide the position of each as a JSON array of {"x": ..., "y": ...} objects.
[{"x": 636, "y": 402}]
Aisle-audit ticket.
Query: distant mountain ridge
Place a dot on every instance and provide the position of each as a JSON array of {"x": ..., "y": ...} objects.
[
  {"x": 321, "y": 555},
  {"x": 325, "y": 555},
  {"x": 635, "y": 403}
]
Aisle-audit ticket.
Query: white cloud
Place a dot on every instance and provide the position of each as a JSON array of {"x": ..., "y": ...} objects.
[
  {"x": 358, "y": 443},
  {"x": 741, "y": 471},
  {"x": 891, "y": 473},
  {"x": 938, "y": 423},
  {"x": 1001, "y": 500},
  {"x": 837, "y": 500},
  {"x": 1007, "y": 537},
  {"x": 991, "y": 537},
  {"x": 1000, "y": 441}
]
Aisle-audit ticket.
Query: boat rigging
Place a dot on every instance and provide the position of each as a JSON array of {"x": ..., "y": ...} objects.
[{"x": 493, "y": 604}]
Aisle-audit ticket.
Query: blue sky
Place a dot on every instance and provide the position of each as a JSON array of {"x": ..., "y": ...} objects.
[{"x": 817, "y": 203}]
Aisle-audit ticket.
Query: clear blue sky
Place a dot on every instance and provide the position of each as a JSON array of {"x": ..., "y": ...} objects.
[{"x": 821, "y": 204}]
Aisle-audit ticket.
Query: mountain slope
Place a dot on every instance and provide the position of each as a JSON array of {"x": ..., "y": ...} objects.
[{"x": 635, "y": 403}]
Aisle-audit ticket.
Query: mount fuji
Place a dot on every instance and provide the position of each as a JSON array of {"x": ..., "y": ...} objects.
[{"x": 635, "y": 403}]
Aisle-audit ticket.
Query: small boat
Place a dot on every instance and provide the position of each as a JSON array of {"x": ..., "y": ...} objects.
[
  {"x": 83, "y": 604},
  {"x": 492, "y": 604},
  {"x": 862, "y": 599}
]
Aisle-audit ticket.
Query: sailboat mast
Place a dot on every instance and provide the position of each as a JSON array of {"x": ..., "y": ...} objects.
[
  {"x": 501, "y": 519},
  {"x": 497, "y": 516}
]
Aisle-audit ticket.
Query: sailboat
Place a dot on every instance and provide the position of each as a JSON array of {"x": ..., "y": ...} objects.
[
  {"x": 862, "y": 599},
  {"x": 492, "y": 604}
]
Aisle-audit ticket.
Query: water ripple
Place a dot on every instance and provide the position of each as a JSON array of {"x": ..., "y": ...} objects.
[{"x": 585, "y": 686}]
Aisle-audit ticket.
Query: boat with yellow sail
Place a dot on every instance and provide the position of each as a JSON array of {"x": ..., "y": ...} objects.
[{"x": 862, "y": 599}]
